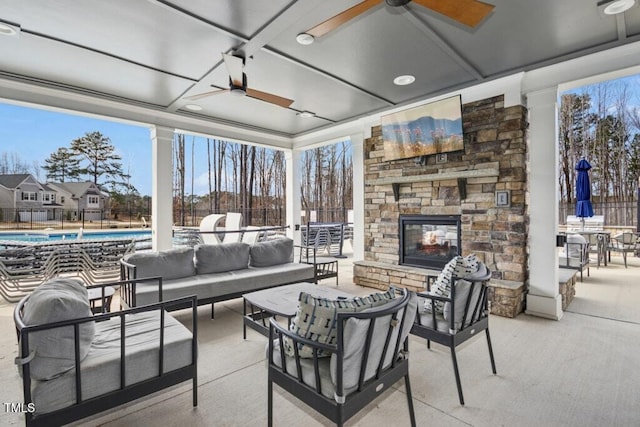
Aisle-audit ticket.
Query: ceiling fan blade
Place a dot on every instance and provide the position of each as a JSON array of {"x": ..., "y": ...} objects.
[
  {"x": 206, "y": 94},
  {"x": 268, "y": 97},
  {"x": 234, "y": 64},
  {"x": 467, "y": 12},
  {"x": 333, "y": 23}
]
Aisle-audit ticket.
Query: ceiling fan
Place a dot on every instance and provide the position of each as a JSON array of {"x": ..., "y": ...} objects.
[
  {"x": 467, "y": 12},
  {"x": 238, "y": 85}
]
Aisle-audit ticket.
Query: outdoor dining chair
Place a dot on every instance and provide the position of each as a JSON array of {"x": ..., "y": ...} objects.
[{"x": 624, "y": 243}]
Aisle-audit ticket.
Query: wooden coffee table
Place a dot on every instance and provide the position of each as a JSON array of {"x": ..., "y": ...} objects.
[{"x": 280, "y": 301}]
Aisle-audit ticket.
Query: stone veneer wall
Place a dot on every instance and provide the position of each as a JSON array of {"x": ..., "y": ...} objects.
[{"x": 494, "y": 141}]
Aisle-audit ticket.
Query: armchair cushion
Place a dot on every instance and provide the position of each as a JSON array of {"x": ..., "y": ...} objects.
[
  {"x": 463, "y": 287},
  {"x": 271, "y": 252},
  {"x": 169, "y": 264},
  {"x": 222, "y": 257},
  {"x": 575, "y": 243},
  {"x": 54, "y": 301},
  {"x": 355, "y": 334},
  {"x": 316, "y": 318}
]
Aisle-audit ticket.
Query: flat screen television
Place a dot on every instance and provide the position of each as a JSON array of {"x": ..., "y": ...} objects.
[{"x": 424, "y": 130}]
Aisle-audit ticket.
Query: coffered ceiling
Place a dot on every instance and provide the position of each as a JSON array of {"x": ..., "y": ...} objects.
[{"x": 154, "y": 54}]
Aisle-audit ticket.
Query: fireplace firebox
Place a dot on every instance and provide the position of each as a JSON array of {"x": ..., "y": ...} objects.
[{"x": 429, "y": 241}]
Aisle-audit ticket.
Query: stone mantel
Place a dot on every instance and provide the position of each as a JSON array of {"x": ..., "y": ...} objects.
[{"x": 442, "y": 175}]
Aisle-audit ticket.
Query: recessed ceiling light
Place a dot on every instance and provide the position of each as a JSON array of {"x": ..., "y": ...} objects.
[
  {"x": 306, "y": 114},
  {"x": 407, "y": 79},
  {"x": 305, "y": 39},
  {"x": 614, "y": 7},
  {"x": 8, "y": 29},
  {"x": 193, "y": 107}
]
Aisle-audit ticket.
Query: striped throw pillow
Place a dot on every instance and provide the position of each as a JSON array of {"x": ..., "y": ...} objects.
[{"x": 316, "y": 318}]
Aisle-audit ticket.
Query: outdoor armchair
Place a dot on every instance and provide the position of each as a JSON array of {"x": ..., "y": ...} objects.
[
  {"x": 340, "y": 379},
  {"x": 451, "y": 320}
]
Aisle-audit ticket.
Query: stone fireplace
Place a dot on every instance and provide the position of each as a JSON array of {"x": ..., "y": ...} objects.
[
  {"x": 429, "y": 241},
  {"x": 471, "y": 185}
]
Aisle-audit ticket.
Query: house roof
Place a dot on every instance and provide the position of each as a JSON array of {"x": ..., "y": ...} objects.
[
  {"x": 12, "y": 181},
  {"x": 77, "y": 189}
]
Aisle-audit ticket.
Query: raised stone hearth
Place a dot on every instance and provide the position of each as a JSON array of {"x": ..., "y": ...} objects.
[{"x": 494, "y": 159}]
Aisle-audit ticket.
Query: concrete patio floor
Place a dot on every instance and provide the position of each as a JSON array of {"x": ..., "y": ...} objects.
[{"x": 579, "y": 371}]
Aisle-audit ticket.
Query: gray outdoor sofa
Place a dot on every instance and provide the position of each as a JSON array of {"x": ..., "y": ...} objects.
[
  {"x": 213, "y": 273},
  {"x": 75, "y": 364}
]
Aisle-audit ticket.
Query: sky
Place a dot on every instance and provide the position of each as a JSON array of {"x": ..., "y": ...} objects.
[{"x": 34, "y": 134}]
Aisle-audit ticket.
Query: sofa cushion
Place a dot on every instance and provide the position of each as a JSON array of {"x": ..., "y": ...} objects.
[
  {"x": 271, "y": 252},
  {"x": 316, "y": 318},
  {"x": 223, "y": 257},
  {"x": 54, "y": 350},
  {"x": 219, "y": 285},
  {"x": 169, "y": 264}
]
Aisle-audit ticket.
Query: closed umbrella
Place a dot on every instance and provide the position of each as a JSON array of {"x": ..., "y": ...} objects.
[{"x": 583, "y": 191}]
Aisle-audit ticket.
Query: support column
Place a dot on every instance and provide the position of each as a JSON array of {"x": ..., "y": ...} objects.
[
  {"x": 161, "y": 185},
  {"x": 357, "y": 157},
  {"x": 292, "y": 161},
  {"x": 543, "y": 299}
]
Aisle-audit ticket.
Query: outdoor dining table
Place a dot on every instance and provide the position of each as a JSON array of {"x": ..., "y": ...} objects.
[{"x": 602, "y": 242}]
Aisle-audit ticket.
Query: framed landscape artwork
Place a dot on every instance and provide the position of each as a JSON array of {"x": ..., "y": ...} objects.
[{"x": 428, "y": 129}]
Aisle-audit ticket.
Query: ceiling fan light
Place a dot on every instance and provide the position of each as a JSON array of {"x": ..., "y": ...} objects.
[
  {"x": 396, "y": 3},
  {"x": 614, "y": 7},
  {"x": 306, "y": 114},
  {"x": 404, "y": 80},
  {"x": 305, "y": 39},
  {"x": 238, "y": 91},
  {"x": 9, "y": 30}
]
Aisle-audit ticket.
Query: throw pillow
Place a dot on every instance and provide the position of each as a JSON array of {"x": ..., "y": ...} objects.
[
  {"x": 168, "y": 264},
  {"x": 54, "y": 349},
  {"x": 271, "y": 252},
  {"x": 222, "y": 257},
  {"x": 458, "y": 267},
  {"x": 316, "y": 318}
]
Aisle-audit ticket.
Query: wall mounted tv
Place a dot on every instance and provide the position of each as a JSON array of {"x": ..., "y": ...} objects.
[{"x": 428, "y": 129}]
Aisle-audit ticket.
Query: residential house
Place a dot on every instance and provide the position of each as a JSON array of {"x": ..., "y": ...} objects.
[
  {"x": 24, "y": 198},
  {"x": 84, "y": 200}
]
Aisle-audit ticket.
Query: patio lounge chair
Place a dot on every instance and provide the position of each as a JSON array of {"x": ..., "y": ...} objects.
[
  {"x": 208, "y": 225},
  {"x": 232, "y": 223}
]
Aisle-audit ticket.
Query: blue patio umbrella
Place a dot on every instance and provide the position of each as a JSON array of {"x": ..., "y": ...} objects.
[{"x": 583, "y": 190}]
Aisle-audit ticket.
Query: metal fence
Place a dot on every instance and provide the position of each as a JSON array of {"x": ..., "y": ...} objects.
[
  {"x": 60, "y": 219},
  {"x": 624, "y": 214}
]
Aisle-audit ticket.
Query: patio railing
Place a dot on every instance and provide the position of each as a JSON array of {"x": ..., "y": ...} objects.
[{"x": 624, "y": 214}]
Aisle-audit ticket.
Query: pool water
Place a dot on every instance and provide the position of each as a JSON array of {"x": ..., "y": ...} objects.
[{"x": 31, "y": 236}]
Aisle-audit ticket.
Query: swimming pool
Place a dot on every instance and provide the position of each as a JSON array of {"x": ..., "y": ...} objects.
[{"x": 48, "y": 236}]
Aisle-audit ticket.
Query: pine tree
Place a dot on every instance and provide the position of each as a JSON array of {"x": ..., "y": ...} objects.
[
  {"x": 62, "y": 166},
  {"x": 104, "y": 165}
]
